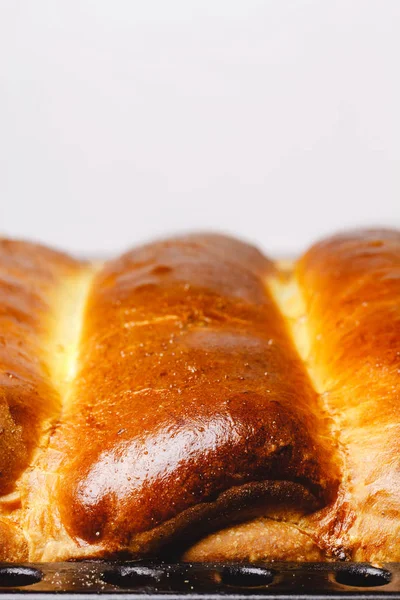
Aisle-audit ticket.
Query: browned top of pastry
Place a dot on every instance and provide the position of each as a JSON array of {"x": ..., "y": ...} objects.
[
  {"x": 351, "y": 284},
  {"x": 29, "y": 278},
  {"x": 191, "y": 385},
  {"x": 188, "y": 386}
]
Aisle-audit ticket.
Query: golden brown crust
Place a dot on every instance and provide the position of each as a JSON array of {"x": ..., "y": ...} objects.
[
  {"x": 28, "y": 275},
  {"x": 351, "y": 285},
  {"x": 260, "y": 540},
  {"x": 188, "y": 386},
  {"x": 13, "y": 544},
  {"x": 193, "y": 386}
]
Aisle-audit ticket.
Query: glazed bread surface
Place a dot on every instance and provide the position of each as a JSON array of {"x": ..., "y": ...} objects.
[
  {"x": 193, "y": 397},
  {"x": 351, "y": 286}
]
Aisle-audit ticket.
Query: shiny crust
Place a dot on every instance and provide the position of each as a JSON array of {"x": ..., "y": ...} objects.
[
  {"x": 29, "y": 276},
  {"x": 348, "y": 287},
  {"x": 168, "y": 334},
  {"x": 193, "y": 397},
  {"x": 351, "y": 285}
]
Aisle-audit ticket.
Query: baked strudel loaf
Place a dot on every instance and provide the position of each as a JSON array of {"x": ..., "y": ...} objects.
[{"x": 194, "y": 398}]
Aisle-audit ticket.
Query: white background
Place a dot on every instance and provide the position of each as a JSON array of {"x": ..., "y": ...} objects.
[{"x": 123, "y": 120}]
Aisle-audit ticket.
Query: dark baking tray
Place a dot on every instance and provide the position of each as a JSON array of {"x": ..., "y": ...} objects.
[{"x": 150, "y": 579}]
